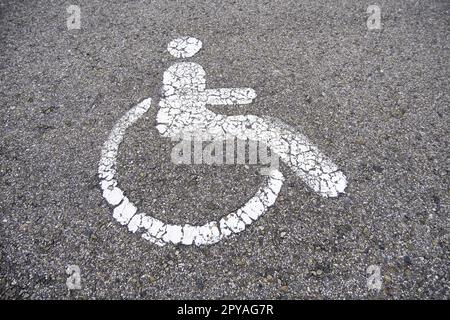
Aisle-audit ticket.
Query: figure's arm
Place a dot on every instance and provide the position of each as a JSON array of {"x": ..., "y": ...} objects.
[{"x": 228, "y": 96}]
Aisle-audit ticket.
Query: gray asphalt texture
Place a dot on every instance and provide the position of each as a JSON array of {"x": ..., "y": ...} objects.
[{"x": 375, "y": 101}]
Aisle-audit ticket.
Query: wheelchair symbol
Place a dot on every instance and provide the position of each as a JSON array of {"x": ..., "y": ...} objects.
[{"x": 183, "y": 111}]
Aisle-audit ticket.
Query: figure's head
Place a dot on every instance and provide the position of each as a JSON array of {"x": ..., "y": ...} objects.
[{"x": 184, "y": 47}]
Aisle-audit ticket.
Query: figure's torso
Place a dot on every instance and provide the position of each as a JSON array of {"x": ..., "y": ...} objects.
[{"x": 184, "y": 79}]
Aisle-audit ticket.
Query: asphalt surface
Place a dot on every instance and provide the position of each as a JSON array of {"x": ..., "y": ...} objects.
[{"x": 375, "y": 101}]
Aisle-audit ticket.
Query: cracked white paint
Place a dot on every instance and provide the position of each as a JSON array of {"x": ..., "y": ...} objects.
[
  {"x": 124, "y": 212},
  {"x": 184, "y": 47},
  {"x": 183, "y": 111}
]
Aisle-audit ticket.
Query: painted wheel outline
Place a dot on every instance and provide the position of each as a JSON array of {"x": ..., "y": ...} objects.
[{"x": 155, "y": 230}]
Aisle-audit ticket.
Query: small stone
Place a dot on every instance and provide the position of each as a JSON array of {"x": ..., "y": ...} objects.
[
  {"x": 377, "y": 168},
  {"x": 284, "y": 288},
  {"x": 360, "y": 141},
  {"x": 308, "y": 99},
  {"x": 200, "y": 284},
  {"x": 366, "y": 231},
  {"x": 407, "y": 260},
  {"x": 49, "y": 110},
  {"x": 240, "y": 262},
  {"x": 283, "y": 234},
  {"x": 152, "y": 279}
]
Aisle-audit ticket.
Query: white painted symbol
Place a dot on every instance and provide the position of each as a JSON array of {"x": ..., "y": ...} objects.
[
  {"x": 374, "y": 20},
  {"x": 183, "y": 112},
  {"x": 374, "y": 280},
  {"x": 74, "y": 20},
  {"x": 74, "y": 281}
]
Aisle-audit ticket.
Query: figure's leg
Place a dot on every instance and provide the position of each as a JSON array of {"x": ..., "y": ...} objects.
[{"x": 294, "y": 149}]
